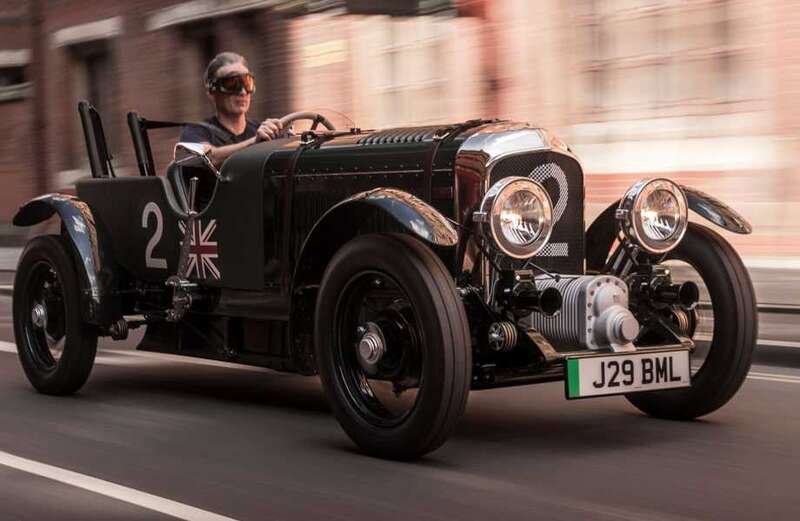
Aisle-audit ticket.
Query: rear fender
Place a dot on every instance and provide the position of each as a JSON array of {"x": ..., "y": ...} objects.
[
  {"x": 602, "y": 232},
  {"x": 94, "y": 262}
]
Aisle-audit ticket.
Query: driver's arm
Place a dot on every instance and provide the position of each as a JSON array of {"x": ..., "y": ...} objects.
[
  {"x": 267, "y": 131},
  {"x": 218, "y": 155}
]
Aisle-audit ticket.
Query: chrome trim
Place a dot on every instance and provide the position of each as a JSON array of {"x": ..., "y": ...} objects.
[
  {"x": 39, "y": 316},
  {"x": 631, "y": 224},
  {"x": 371, "y": 347},
  {"x": 477, "y": 156},
  {"x": 490, "y": 226}
]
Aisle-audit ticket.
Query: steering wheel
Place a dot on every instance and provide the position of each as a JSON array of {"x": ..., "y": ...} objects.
[{"x": 316, "y": 117}]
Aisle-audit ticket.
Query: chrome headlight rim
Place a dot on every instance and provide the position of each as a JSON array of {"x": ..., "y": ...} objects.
[
  {"x": 489, "y": 216},
  {"x": 629, "y": 214}
]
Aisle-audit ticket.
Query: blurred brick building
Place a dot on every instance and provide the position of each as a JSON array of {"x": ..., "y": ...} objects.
[
  {"x": 705, "y": 91},
  {"x": 16, "y": 180}
]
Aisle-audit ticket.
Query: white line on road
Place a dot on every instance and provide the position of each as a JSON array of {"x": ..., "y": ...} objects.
[
  {"x": 775, "y": 378},
  {"x": 187, "y": 360},
  {"x": 9, "y": 347},
  {"x": 112, "y": 490},
  {"x": 778, "y": 343}
]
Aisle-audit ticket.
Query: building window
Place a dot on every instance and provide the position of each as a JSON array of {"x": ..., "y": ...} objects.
[
  {"x": 411, "y": 61},
  {"x": 651, "y": 58},
  {"x": 10, "y": 76},
  {"x": 93, "y": 79},
  {"x": 199, "y": 46},
  {"x": 14, "y": 84}
]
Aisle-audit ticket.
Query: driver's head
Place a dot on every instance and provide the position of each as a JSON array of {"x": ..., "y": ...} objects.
[{"x": 229, "y": 83}]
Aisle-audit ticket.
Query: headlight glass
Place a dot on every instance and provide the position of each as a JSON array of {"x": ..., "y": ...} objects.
[
  {"x": 521, "y": 218},
  {"x": 653, "y": 213},
  {"x": 660, "y": 215},
  {"x": 517, "y": 215}
]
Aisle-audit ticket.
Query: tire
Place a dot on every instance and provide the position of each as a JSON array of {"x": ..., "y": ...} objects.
[
  {"x": 46, "y": 276},
  {"x": 731, "y": 350},
  {"x": 433, "y": 343}
]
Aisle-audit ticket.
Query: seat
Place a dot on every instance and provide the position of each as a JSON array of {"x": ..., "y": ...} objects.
[
  {"x": 141, "y": 144},
  {"x": 177, "y": 175}
]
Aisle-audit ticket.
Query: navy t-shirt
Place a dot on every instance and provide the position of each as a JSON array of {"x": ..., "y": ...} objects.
[{"x": 218, "y": 136}]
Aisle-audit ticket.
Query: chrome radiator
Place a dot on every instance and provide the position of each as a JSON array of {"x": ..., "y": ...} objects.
[{"x": 594, "y": 314}]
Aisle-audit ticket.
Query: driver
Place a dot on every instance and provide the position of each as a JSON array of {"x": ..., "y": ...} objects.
[{"x": 230, "y": 86}]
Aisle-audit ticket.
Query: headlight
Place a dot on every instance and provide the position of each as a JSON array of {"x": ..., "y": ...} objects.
[
  {"x": 517, "y": 215},
  {"x": 653, "y": 214}
]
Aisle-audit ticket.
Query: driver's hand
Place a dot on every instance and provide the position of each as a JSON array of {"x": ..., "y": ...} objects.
[{"x": 269, "y": 129}]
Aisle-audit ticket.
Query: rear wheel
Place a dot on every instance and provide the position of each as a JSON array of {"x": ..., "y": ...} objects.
[
  {"x": 55, "y": 346},
  {"x": 729, "y": 319},
  {"x": 392, "y": 345}
]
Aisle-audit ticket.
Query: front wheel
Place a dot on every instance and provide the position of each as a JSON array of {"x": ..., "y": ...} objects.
[
  {"x": 729, "y": 318},
  {"x": 392, "y": 345},
  {"x": 55, "y": 346}
]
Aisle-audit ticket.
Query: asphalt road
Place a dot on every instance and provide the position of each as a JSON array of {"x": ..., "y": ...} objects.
[{"x": 253, "y": 444}]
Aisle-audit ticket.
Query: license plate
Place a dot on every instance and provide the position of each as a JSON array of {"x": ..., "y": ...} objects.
[{"x": 626, "y": 373}]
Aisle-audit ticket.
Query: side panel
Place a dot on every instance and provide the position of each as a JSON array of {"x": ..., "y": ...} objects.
[
  {"x": 141, "y": 220},
  {"x": 146, "y": 223}
]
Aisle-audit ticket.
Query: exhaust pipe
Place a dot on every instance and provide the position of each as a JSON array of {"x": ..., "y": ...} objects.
[
  {"x": 547, "y": 301},
  {"x": 686, "y": 295}
]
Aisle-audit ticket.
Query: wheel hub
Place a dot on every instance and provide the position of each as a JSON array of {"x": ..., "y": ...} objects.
[
  {"x": 39, "y": 315},
  {"x": 371, "y": 347}
]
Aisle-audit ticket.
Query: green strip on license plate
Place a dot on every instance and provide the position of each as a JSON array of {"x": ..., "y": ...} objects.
[{"x": 574, "y": 378}]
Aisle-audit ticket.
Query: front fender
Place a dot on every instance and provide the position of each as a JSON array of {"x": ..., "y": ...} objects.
[
  {"x": 602, "y": 232},
  {"x": 93, "y": 261},
  {"x": 716, "y": 211},
  {"x": 342, "y": 222}
]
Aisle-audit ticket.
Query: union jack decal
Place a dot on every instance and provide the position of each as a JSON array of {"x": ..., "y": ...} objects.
[{"x": 203, "y": 251}]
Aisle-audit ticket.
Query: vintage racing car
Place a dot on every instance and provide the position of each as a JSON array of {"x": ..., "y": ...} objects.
[{"x": 405, "y": 266}]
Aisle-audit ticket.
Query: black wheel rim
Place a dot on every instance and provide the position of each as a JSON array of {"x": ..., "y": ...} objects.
[
  {"x": 384, "y": 393},
  {"x": 43, "y": 316}
]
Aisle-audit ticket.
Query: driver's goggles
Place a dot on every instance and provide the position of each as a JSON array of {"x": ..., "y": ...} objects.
[{"x": 234, "y": 84}]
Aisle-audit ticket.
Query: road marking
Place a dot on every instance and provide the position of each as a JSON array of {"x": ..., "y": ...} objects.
[
  {"x": 774, "y": 377},
  {"x": 779, "y": 343},
  {"x": 187, "y": 360},
  {"x": 10, "y": 347},
  {"x": 109, "y": 489}
]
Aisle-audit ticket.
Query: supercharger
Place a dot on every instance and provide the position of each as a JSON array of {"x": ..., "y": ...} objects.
[{"x": 594, "y": 313}]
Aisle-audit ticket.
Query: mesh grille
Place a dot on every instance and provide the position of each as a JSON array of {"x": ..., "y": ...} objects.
[
  {"x": 400, "y": 135},
  {"x": 562, "y": 177}
]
